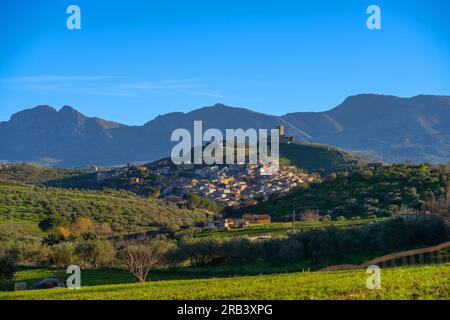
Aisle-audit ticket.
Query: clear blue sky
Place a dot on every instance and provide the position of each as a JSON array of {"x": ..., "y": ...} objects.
[{"x": 136, "y": 59}]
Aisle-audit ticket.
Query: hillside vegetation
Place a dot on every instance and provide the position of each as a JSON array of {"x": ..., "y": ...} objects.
[
  {"x": 123, "y": 211},
  {"x": 38, "y": 175},
  {"x": 377, "y": 192},
  {"x": 317, "y": 157},
  {"x": 408, "y": 283}
]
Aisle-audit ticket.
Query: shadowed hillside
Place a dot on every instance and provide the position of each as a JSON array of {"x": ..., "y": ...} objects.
[{"x": 367, "y": 192}]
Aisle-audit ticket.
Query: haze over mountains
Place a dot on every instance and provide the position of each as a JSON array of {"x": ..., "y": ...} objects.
[{"x": 396, "y": 129}]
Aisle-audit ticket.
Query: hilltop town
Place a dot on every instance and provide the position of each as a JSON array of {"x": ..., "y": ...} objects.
[
  {"x": 230, "y": 185},
  {"x": 234, "y": 185}
]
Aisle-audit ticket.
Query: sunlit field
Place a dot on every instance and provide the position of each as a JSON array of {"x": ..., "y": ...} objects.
[{"x": 420, "y": 282}]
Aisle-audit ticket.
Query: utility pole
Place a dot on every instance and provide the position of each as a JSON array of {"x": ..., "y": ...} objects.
[
  {"x": 293, "y": 221},
  {"x": 10, "y": 217}
]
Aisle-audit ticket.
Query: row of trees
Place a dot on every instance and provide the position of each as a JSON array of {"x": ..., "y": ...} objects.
[
  {"x": 320, "y": 247},
  {"x": 139, "y": 256},
  {"x": 86, "y": 253}
]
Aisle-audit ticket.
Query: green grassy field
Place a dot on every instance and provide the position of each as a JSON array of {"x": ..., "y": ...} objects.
[
  {"x": 90, "y": 277},
  {"x": 423, "y": 282},
  {"x": 283, "y": 228},
  {"x": 121, "y": 276}
]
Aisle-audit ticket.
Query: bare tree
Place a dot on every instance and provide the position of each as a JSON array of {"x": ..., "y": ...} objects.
[
  {"x": 310, "y": 215},
  {"x": 141, "y": 258},
  {"x": 440, "y": 206}
]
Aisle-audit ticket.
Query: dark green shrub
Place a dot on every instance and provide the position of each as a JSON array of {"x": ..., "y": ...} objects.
[
  {"x": 53, "y": 238},
  {"x": 202, "y": 252},
  {"x": 8, "y": 261},
  {"x": 33, "y": 253},
  {"x": 62, "y": 255},
  {"x": 95, "y": 253},
  {"x": 52, "y": 222}
]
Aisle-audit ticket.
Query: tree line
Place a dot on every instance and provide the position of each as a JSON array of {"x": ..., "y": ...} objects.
[{"x": 318, "y": 247}]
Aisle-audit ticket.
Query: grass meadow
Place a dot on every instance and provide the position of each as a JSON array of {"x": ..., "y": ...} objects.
[{"x": 405, "y": 283}]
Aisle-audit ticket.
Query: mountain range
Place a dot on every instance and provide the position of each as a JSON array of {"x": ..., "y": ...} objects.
[{"x": 391, "y": 128}]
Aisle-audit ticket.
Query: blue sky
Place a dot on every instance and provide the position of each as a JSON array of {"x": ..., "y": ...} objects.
[{"x": 133, "y": 60}]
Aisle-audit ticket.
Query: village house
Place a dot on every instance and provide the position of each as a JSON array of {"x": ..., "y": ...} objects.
[
  {"x": 223, "y": 224},
  {"x": 228, "y": 224},
  {"x": 5, "y": 166},
  {"x": 258, "y": 218}
]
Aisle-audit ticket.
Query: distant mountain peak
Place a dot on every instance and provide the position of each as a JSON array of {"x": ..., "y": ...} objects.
[
  {"x": 217, "y": 106},
  {"x": 43, "y": 107},
  {"x": 222, "y": 108},
  {"x": 369, "y": 96},
  {"x": 68, "y": 109},
  {"x": 68, "y": 113},
  {"x": 396, "y": 129},
  {"x": 39, "y": 111},
  {"x": 220, "y": 105}
]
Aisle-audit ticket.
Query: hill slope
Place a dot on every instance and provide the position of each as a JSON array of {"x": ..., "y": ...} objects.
[
  {"x": 312, "y": 157},
  {"x": 123, "y": 211},
  {"x": 38, "y": 175},
  {"x": 380, "y": 192},
  {"x": 317, "y": 157}
]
